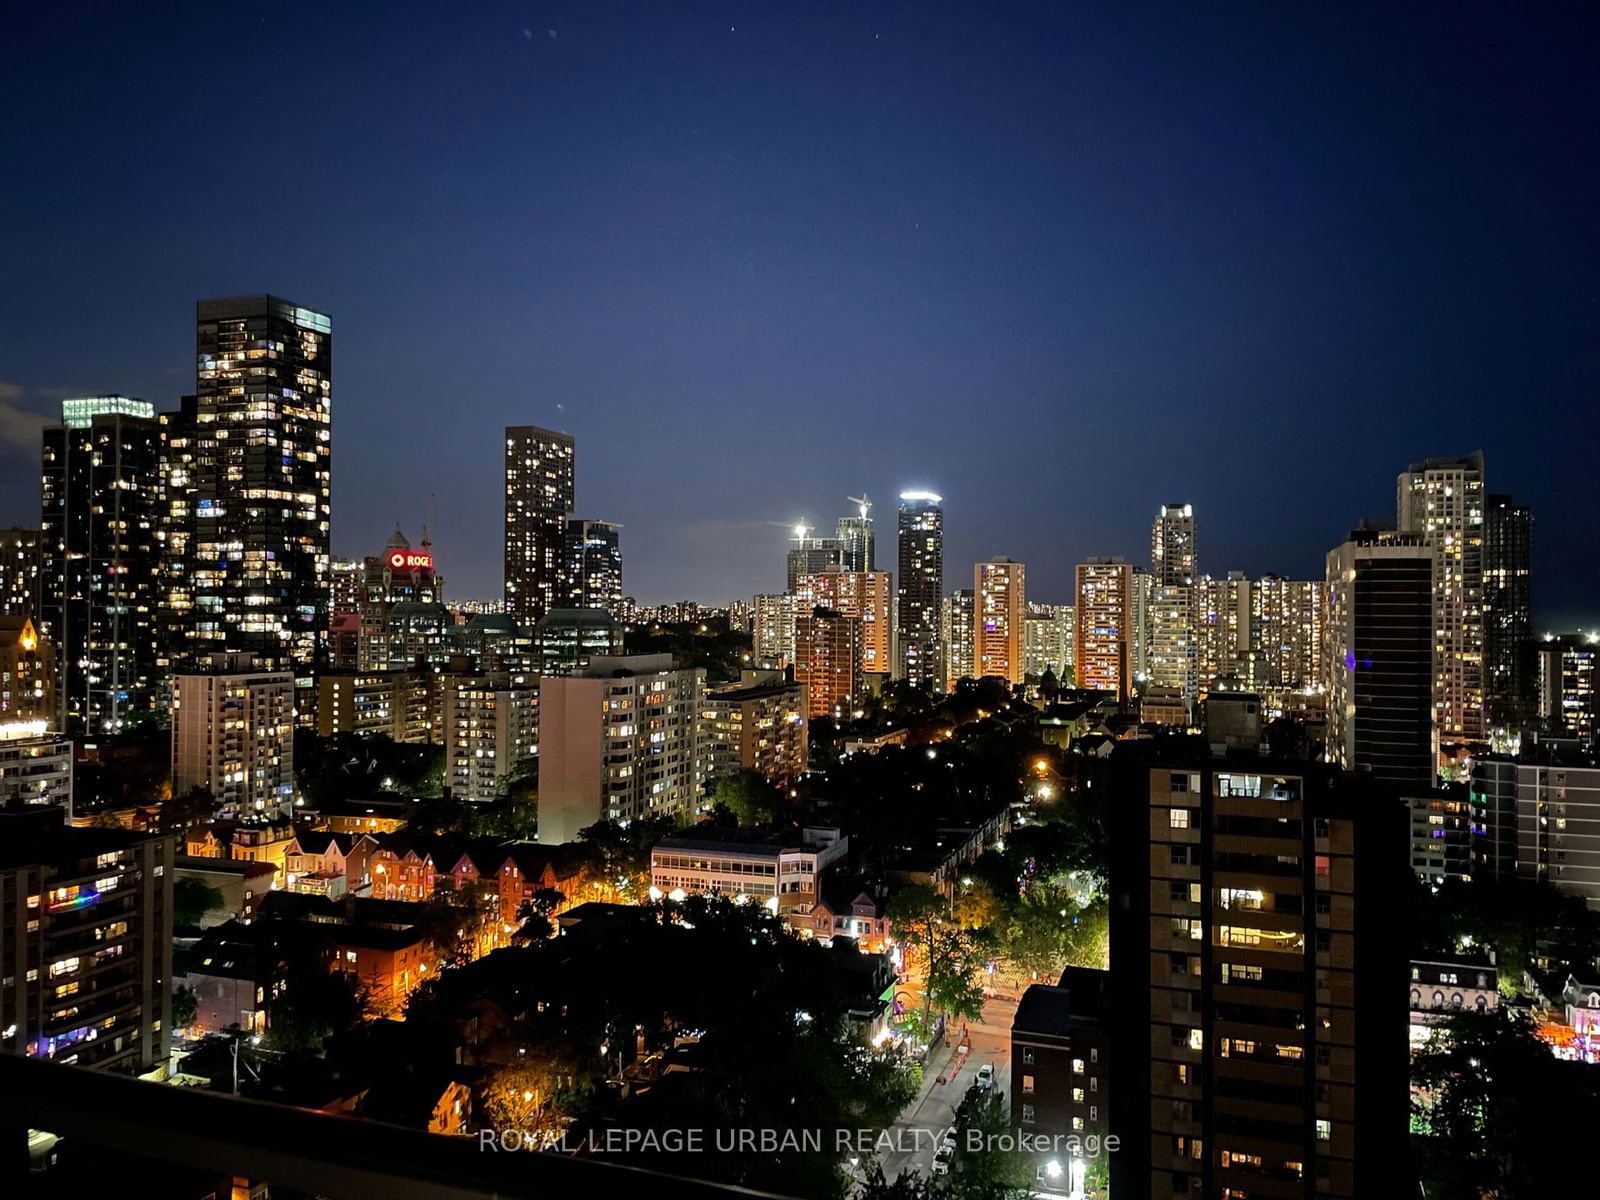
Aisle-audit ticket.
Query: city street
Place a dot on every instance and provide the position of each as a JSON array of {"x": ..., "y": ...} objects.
[{"x": 934, "y": 1109}]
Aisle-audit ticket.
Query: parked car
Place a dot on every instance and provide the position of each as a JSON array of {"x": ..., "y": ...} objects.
[
  {"x": 986, "y": 1076},
  {"x": 941, "y": 1160},
  {"x": 948, "y": 1142}
]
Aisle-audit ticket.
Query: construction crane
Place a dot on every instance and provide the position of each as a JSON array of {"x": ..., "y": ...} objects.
[{"x": 862, "y": 503}]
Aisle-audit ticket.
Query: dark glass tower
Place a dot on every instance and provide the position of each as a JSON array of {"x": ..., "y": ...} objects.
[
  {"x": 1507, "y": 610},
  {"x": 919, "y": 659},
  {"x": 539, "y": 495},
  {"x": 857, "y": 546},
  {"x": 1379, "y": 657},
  {"x": 259, "y": 554},
  {"x": 594, "y": 565},
  {"x": 100, "y": 558}
]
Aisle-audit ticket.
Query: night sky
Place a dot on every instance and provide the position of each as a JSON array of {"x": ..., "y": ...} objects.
[{"x": 1060, "y": 263}]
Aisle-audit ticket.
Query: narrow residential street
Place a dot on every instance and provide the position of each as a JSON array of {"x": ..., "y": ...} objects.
[{"x": 916, "y": 1134}]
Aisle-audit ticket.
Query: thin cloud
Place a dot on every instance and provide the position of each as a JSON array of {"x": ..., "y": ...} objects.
[{"x": 19, "y": 427}]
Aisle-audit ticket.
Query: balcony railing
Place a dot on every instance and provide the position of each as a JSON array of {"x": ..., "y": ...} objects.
[{"x": 338, "y": 1157}]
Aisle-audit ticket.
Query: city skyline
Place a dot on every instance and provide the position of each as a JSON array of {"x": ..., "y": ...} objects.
[{"x": 1320, "y": 306}]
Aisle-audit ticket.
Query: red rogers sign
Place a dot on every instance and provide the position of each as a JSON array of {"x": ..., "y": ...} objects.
[{"x": 400, "y": 559}]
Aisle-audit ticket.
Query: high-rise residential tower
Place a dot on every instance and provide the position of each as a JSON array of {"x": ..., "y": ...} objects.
[
  {"x": 181, "y": 444},
  {"x": 19, "y": 573},
  {"x": 1257, "y": 980},
  {"x": 1507, "y": 610},
  {"x": 1172, "y": 551},
  {"x": 594, "y": 565},
  {"x": 955, "y": 631},
  {"x": 1047, "y": 639},
  {"x": 857, "y": 551},
  {"x": 827, "y": 660},
  {"x": 1378, "y": 657},
  {"x": 1170, "y": 657},
  {"x": 1264, "y": 635},
  {"x": 100, "y": 557},
  {"x": 401, "y": 613},
  {"x": 921, "y": 586},
  {"x": 772, "y": 636},
  {"x": 808, "y": 556},
  {"x": 619, "y": 742},
  {"x": 260, "y": 550},
  {"x": 1567, "y": 685},
  {"x": 999, "y": 606},
  {"x": 99, "y": 928},
  {"x": 233, "y": 734},
  {"x": 864, "y": 595},
  {"x": 1443, "y": 500},
  {"x": 1101, "y": 655},
  {"x": 540, "y": 490}
]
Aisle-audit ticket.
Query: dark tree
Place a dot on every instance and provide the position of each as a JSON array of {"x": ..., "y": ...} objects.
[
  {"x": 748, "y": 796},
  {"x": 192, "y": 900}
]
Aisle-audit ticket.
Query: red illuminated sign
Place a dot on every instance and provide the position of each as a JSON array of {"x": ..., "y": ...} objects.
[{"x": 401, "y": 559}]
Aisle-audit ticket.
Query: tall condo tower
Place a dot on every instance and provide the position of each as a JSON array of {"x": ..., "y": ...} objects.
[
  {"x": 261, "y": 470},
  {"x": 918, "y": 660},
  {"x": 539, "y": 495}
]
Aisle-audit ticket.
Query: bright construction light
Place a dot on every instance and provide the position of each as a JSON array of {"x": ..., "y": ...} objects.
[
  {"x": 920, "y": 494},
  {"x": 655, "y": 892}
]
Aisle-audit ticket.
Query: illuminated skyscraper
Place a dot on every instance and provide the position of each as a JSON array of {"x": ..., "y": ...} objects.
[
  {"x": 181, "y": 444},
  {"x": 1105, "y": 617},
  {"x": 773, "y": 635},
  {"x": 955, "y": 630},
  {"x": 827, "y": 660},
  {"x": 1221, "y": 613},
  {"x": 1568, "y": 686},
  {"x": 233, "y": 734},
  {"x": 999, "y": 603},
  {"x": 1285, "y": 638},
  {"x": 1442, "y": 499},
  {"x": 1172, "y": 552},
  {"x": 100, "y": 557},
  {"x": 19, "y": 573},
  {"x": 864, "y": 595},
  {"x": 921, "y": 586},
  {"x": 539, "y": 495},
  {"x": 401, "y": 608},
  {"x": 1170, "y": 659},
  {"x": 1507, "y": 610},
  {"x": 594, "y": 565},
  {"x": 1047, "y": 639},
  {"x": 262, "y": 458}
]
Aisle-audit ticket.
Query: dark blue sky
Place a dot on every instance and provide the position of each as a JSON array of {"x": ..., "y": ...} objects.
[{"x": 1061, "y": 263}]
